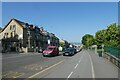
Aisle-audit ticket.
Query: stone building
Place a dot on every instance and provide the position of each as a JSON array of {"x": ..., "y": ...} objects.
[
  {"x": 15, "y": 36},
  {"x": 18, "y": 36}
]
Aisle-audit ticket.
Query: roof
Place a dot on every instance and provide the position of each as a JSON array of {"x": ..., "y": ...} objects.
[
  {"x": 17, "y": 21},
  {"x": 20, "y": 23}
]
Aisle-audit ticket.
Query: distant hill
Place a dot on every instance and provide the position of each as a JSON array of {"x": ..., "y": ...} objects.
[{"x": 0, "y": 28}]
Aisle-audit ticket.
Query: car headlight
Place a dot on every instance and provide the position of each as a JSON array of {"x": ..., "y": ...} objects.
[{"x": 50, "y": 52}]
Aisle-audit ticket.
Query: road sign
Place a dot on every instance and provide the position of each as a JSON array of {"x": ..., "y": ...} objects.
[{"x": 48, "y": 41}]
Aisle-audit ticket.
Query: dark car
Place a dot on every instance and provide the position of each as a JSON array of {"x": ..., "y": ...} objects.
[
  {"x": 69, "y": 52},
  {"x": 75, "y": 50}
]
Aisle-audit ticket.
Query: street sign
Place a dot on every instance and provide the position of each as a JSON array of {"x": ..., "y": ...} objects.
[{"x": 48, "y": 41}]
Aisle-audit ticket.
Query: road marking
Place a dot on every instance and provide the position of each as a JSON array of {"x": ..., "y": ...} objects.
[
  {"x": 19, "y": 75},
  {"x": 81, "y": 58},
  {"x": 76, "y": 66},
  {"x": 46, "y": 69},
  {"x": 93, "y": 72},
  {"x": 13, "y": 74},
  {"x": 69, "y": 75}
]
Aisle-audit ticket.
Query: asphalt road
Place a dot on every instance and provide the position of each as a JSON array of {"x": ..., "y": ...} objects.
[{"x": 85, "y": 64}]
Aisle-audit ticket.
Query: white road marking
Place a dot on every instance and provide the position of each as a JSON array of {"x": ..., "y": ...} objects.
[
  {"x": 76, "y": 66},
  {"x": 70, "y": 75},
  {"x": 81, "y": 58},
  {"x": 93, "y": 72}
]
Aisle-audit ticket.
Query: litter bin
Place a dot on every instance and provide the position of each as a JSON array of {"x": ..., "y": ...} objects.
[{"x": 99, "y": 52}]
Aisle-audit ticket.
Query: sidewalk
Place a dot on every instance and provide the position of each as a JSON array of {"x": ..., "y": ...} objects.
[{"x": 102, "y": 67}]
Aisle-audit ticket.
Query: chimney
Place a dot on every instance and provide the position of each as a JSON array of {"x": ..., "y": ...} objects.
[
  {"x": 26, "y": 24},
  {"x": 31, "y": 26}
]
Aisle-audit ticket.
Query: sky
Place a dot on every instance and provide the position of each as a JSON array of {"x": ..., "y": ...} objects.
[{"x": 67, "y": 20}]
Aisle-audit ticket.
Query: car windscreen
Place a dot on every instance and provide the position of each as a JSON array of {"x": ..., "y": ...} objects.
[
  {"x": 69, "y": 49},
  {"x": 49, "y": 48}
]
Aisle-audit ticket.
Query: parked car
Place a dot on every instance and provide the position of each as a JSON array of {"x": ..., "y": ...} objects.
[
  {"x": 69, "y": 52},
  {"x": 51, "y": 51},
  {"x": 75, "y": 50}
]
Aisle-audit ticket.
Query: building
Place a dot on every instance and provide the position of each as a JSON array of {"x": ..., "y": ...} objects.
[
  {"x": 18, "y": 36},
  {"x": 64, "y": 43},
  {"x": 50, "y": 39}
]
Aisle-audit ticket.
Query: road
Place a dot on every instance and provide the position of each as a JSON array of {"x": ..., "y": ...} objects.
[{"x": 85, "y": 64}]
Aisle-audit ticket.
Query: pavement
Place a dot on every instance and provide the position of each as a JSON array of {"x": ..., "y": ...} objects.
[{"x": 85, "y": 64}]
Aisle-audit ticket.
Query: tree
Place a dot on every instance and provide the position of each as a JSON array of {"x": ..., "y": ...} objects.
[
  {"x": 62, "y": 43},
  {"x": 100, "y": 36},
  {"x": 111, "y": 35},
  {"x": 118, "y": 35},
  {"x": 88, "y": 40}
]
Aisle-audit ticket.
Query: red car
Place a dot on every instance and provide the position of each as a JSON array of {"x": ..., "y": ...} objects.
[{"x": 51, "y": 51}]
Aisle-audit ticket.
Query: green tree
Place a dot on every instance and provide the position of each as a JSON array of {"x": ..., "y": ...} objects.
[
  {"x": 61, "y": 43},
  {"x": 118, "y": 35},
  {"x": 111, "y": 35},
  {"x": 100, "y": 36},
  {"x": 88, "y": 40}
]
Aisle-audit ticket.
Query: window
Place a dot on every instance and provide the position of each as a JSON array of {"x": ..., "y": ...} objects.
[
  {"x": 13, "y": 27},
  {"x": 7, "y": 35},
  {"x": 11, "y": 34},
  {"x": 4, "y": 35},
  {"x": 10, "y": 27}
]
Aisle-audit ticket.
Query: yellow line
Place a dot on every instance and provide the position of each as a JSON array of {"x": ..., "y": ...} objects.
[
  {"x": 19, "y": 75},
  {"x": 46, "y": 69}
]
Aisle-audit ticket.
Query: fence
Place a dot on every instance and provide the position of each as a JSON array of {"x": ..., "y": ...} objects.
[
  {"x": 113, "y": 55},
  {"x": 113, "y": 51}
]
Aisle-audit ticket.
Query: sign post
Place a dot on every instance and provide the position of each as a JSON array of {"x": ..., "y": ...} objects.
[{"x": 48, "y": 42}]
